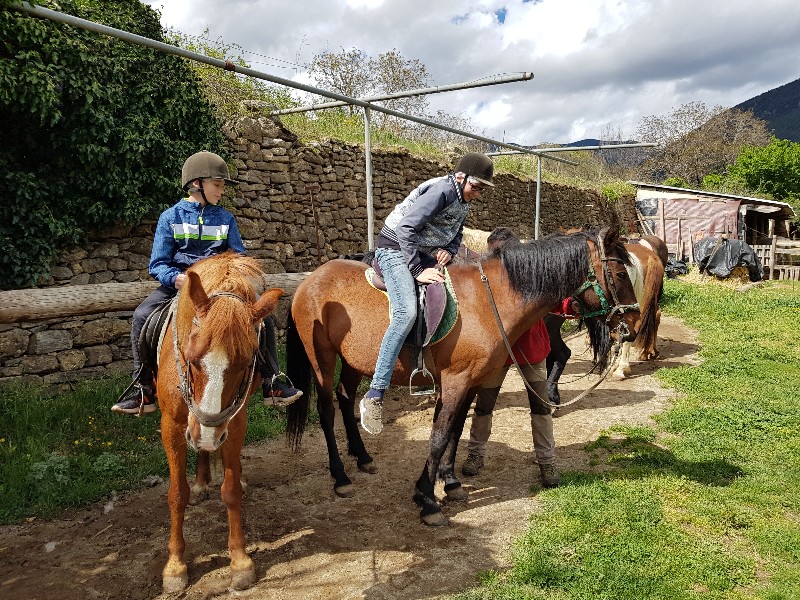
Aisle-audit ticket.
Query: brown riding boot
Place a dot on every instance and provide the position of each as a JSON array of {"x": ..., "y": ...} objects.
[
  {"x": 472, "y": 465},
  {"x": 550, "y": 477}
]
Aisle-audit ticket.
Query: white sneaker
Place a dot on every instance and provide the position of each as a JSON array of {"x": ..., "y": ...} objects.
[{"x": 372, "y": 415}]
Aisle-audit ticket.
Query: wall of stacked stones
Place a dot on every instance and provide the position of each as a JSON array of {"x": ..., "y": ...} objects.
[{"x": 298, "y": 205}]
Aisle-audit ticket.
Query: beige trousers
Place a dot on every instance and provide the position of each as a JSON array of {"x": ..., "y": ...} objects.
[{"x": 544, "y": 444}]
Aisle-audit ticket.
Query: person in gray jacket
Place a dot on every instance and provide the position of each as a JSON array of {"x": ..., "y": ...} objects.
[{"x": 421, "y": 235}]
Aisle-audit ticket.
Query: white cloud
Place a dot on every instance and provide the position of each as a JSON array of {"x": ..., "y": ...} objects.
[{"x": 595, "y": 62}]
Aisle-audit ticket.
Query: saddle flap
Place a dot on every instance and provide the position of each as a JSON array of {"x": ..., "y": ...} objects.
[
  {"x": 151, "y": 335},
  {"x": 435, "y": 304}
]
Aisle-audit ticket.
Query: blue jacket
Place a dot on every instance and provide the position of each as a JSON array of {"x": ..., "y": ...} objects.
[
  {"x": 432, "y": 216},
  {"x": 187, "y": 232}
]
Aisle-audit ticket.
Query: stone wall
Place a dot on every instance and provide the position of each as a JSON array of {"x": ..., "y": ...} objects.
[{"x": 298, "y": 206}]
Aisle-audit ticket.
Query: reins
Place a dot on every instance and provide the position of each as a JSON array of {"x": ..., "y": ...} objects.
[
  {"x": 185, "y": 378},
  {"x": 591, "y": 281}
]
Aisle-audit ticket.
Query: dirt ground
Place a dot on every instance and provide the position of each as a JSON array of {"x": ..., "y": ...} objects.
[{"x": 306, "y": 542}]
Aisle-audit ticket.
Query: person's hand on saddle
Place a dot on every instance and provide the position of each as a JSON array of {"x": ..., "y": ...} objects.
[
  {"x": 430, "y": 275},
  {"x": 443, "y": 257}
]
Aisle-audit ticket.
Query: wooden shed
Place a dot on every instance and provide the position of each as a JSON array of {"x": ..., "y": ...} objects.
[{"x": 682, "y": 216}]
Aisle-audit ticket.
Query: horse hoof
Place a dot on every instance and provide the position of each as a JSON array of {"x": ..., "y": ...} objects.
[
  {"x": 345, "y": 491},
  {"x": 173, "y": 584},
  {"x": 198, "y": 495},
  {"x": 241, "y": 580},
  {"x": 457, "y": 494},
  {"x": 369, "y": 467},
  {"x": 436, "y": 519}
]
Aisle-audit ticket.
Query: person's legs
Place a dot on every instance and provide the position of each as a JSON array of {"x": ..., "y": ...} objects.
[
  {"x": 544, "y": 443},
  {"x": 141, "y": 397},
  {"x": 402, "y": 300},
  {"x": 276, "y": 391},
  {"x": 481, "y": 426}
]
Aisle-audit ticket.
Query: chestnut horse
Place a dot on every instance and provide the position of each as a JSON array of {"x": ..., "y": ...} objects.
[
  {"x": 206, "y": 371},
  {"x": 646, "y": 271},
  {"x": 648, "y": 260},
  {"x": 335, "y": 313}
]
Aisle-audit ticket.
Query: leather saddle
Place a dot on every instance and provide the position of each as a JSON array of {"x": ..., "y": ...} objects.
[
  {"x": 431, "y": 304},
  {"x": 151, "y": 335}
]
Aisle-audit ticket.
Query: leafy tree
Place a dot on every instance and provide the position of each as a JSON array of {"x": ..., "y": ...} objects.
[
  {"x": 694, "y": 141},
  {"x": 346, "y": 72},
  {"x": 94, "y": 129},
  {"x": 773, "y": 169}
]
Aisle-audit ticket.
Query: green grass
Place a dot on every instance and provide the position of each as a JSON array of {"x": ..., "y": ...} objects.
[
  {"x": 706, "y": 503},
  {"x": 66, "y": 450}
]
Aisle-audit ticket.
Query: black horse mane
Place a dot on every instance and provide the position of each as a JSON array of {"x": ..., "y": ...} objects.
[{"x": 548, "y": 269}]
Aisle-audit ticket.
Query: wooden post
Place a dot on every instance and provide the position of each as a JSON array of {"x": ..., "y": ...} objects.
[
  {"x": 661, "y": 219},
  {"x": 772, "y": 250}
]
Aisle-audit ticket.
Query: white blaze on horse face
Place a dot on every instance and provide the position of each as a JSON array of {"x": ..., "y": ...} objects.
[{"x": 214, "y": 365}]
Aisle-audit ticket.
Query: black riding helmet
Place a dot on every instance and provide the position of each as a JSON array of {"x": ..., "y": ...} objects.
[{"x": 478, "y": 166}]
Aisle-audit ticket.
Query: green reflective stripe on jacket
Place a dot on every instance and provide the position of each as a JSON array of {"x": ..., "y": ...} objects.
[{"x": 215, "y": 232}]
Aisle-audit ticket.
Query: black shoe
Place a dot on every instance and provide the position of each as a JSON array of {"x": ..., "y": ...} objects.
[
  {"x": 278, "y": 393},
  {"x": 138, "y": 401}
]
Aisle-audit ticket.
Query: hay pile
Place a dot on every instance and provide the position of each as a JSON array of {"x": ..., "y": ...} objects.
[{"x": 739, "y": 278}]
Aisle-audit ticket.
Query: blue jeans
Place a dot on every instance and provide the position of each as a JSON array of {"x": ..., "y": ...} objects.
[{"x": 403, "y": 305}]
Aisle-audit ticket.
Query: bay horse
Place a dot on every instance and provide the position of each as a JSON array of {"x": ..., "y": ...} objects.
[
  {"x": 206, "y": 372},
  {"x": 336, "y": 314}
]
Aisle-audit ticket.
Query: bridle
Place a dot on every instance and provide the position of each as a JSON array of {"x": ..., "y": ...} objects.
[
  {"x": 605, "y": 309},
  {"x": 185, "y": 376}
]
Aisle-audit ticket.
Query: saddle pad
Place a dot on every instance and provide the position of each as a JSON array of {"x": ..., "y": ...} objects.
[{"x": 449, "y": 313}]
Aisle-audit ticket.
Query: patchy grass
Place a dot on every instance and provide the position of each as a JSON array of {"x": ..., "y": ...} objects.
[{"x": 704, "y": 504}]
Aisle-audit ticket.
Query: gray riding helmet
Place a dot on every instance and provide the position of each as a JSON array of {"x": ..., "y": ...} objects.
[{"x": 205, "y": 165}]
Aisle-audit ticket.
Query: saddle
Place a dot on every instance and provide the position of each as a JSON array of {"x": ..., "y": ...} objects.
[
  {"x": 152, "y": 334},
  {"x": 437, "y": 310}
]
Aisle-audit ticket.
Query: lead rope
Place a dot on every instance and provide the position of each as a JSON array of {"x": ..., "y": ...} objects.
[{"x": 499, "y": 321}]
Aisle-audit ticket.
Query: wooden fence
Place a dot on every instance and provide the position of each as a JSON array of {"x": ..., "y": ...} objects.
[{"x": 780, "y": 258}]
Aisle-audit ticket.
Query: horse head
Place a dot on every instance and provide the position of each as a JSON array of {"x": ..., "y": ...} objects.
[
  {"x": 608, "y": 292},
  {"x": 220, "y": 350}
]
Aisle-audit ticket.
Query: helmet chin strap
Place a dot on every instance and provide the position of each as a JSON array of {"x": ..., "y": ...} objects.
[{"x": 201, "y": 190}]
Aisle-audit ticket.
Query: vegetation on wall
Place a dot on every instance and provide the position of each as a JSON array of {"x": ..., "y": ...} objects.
[{"x": 95, "y": 129}]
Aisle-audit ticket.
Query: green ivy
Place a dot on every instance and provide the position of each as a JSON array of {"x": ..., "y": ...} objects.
[{"x": 94, "y": 129}]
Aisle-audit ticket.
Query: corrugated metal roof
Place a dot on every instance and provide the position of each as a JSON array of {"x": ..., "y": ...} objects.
[{"x": 705, "y": 193}]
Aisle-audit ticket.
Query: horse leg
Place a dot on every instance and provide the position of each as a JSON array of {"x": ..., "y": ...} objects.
[
  {"x": 557, "y": 358},
  {"x": 452, "y": 485},
  {"x": 175, "y": 574},
  {"x": 444, "y": 418},
  {"x": 342, "y": 485},
  {"x": 346, "y": 394},
  {"x": 623, "y": 368},
  {"x": 243, "y": 573},
  {"x": 202, "y": 478}
]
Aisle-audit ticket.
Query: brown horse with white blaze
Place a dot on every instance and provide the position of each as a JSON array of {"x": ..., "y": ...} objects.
[
  {"x": 206, "y": 371},
  {"x": 335, "y": 313}
]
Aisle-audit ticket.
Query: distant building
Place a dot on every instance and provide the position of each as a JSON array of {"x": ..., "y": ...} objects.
[{"x": 682, "y": 216}]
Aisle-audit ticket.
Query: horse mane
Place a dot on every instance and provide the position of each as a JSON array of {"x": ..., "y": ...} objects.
[
  {"x": 529, "y": 266},
  {"x": 225, "y": 320}
]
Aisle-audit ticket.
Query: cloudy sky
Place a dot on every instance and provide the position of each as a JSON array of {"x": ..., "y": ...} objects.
[{"x": 597, "y": 64}]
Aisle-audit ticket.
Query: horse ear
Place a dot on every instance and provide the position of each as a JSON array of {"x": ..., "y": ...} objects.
[
  {"x": 266, "y": 303},
  {"x": 197, "y": 293},
  {"x": 610, "y": 236}
]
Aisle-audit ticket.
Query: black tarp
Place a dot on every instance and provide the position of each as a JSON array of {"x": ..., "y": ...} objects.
[{"x": 720, "y": 256}]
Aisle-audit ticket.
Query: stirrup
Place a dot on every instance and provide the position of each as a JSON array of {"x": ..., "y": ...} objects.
[{"x": 421, "y": 390}]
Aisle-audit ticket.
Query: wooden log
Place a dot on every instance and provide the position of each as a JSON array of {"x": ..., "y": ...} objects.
[{"x": 74, "y": 300}]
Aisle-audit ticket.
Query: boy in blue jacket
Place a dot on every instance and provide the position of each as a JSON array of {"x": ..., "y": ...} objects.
[{"x": 193, "y": 229}]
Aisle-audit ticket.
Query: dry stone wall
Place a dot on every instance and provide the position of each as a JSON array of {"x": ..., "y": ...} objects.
[{"x": 298, "y": 205}]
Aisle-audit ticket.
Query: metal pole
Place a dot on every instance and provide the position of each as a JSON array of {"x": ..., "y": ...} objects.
[
  {"x": 525, "y": 76},
  {"x": 538, "y": 197},
  {"x": 368, "y": 156},
  {"x": 38, "y": 11}
]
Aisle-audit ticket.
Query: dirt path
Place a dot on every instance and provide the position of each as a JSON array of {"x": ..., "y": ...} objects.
[{"x": 305, "y": 542}]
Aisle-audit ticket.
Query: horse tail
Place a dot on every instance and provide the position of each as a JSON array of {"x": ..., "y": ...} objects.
[
  {"x": 298, "y": 368},
  {"x": 652, "y": 291}
]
